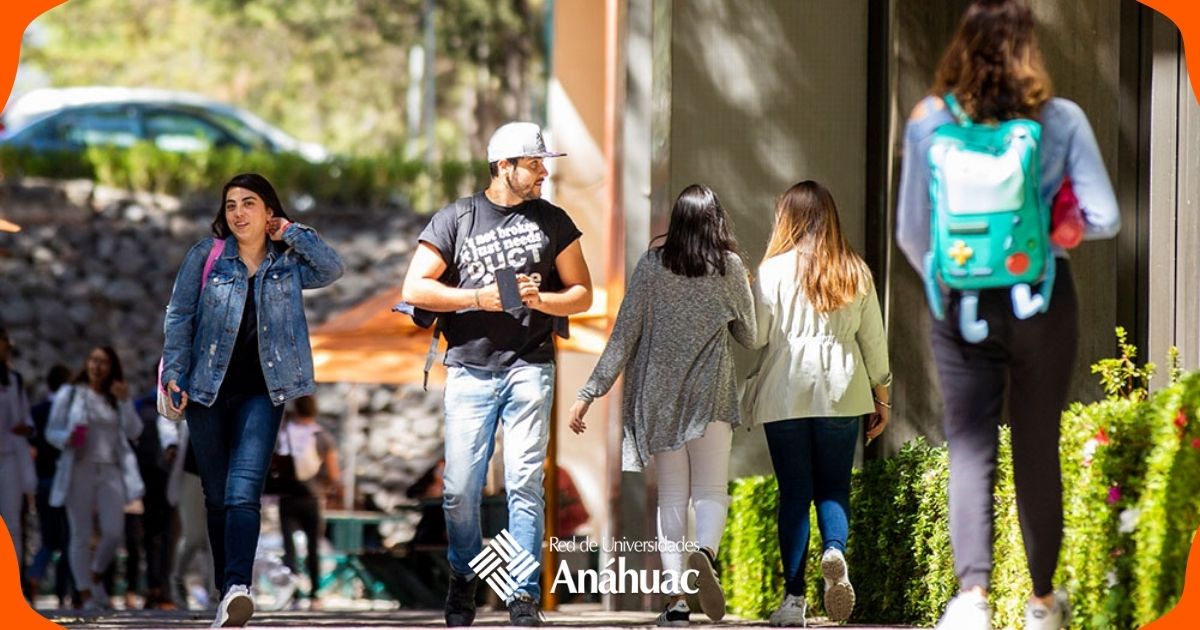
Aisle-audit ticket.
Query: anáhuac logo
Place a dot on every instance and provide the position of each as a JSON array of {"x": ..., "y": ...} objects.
[
  {"x": 617, "y": 579},
  {"x": 504, "y": 565}
]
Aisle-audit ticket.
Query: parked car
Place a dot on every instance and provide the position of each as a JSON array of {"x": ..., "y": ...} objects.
[{"x": 79, "y": 117}]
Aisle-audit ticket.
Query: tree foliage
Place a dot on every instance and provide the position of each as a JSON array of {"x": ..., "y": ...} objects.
[{"x": 330, "y": 71}]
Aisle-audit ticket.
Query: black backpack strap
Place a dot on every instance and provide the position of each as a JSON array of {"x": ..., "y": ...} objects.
[{"x": 464, "y": 219}]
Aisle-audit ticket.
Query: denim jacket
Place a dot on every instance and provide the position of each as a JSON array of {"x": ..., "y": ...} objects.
[{"x": 201, "y": 327}]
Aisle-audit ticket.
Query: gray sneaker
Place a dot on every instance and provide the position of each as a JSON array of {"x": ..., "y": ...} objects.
[
  {"x": 524, "y": 611},
  {"x": 1038, "y": 616},
  {"x": 460, "y": 601},
  {"x": 791, "y": 613}
]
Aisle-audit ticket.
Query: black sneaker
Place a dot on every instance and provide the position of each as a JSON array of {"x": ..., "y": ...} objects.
[
  {"x": 712, "y": 596},
  {"x": 460, "y": 601},
  {"x": 523, "y": 611},
  {"x": 675, "y": 616}
]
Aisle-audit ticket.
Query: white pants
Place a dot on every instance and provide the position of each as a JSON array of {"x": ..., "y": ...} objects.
[
  {"x": 97, "y": 490},
  {"x": 699, "y": 471},
  {"x": 11, "y": 498}
]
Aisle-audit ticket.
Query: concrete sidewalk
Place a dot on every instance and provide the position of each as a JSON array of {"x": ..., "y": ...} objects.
[{"x": 576, "y": 616}]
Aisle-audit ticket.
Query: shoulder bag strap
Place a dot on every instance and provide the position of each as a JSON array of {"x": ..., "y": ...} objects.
[{"x": 464, "y": 211}]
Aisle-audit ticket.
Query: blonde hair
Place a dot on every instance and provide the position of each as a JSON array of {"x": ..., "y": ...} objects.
[{"x": 828, "y": 271}]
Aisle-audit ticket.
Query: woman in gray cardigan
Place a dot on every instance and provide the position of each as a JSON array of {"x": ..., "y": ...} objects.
[{"x": 686, "y": 301}]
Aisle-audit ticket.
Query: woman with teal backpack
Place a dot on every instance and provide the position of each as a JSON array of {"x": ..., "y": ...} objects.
[{"x": 992, "y": 76}]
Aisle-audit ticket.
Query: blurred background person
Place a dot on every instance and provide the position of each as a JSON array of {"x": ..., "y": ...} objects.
[
  {"x": 300, "y": 508},
  {"x": 97, "y": 476},
  {"x": 17, "y": 475},
  {"x": 52, "y": 521},
  {"x": 159, "y": 522}
]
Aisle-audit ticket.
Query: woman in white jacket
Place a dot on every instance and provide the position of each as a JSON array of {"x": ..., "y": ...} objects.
[
  {"x": 824, "y": 355},
  {"x": 92, "y": 422}
]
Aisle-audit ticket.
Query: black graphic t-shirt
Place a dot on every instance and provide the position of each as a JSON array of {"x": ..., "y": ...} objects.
[{"x": 526, "y": 238}]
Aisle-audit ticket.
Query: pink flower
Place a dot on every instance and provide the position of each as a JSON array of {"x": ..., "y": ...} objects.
[
  {"x": 1102, "y": 436},
  {"x": 1181, "y": 418},
  {"x": 1114, "y": 494},
  {"x": 1196, "y": 443}
]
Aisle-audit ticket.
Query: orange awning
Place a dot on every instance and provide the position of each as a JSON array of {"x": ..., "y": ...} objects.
[{"x": 368, "y": 343}]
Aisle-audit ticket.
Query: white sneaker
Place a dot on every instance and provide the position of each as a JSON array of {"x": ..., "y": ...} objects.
[
  {"x": 1038, "y": 616},
  {"x": 967, "y": 611},
  {"x": 235, "y": 609},
  {"x": 839, "y": 593},
  {"x": 792, "y": 612}
]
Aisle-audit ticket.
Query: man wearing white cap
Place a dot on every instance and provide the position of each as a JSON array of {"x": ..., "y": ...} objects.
[{"x": 500, "y": 363}]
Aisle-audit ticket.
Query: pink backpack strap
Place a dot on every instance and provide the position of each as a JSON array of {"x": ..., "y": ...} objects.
[
  {"x": 217, "y": 249},
  {"x": 213, "y": 254}
]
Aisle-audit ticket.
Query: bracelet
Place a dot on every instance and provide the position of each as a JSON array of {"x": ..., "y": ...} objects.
[
  {"x": 883, "y": 404},
  {"x": 477, "y": 304}
]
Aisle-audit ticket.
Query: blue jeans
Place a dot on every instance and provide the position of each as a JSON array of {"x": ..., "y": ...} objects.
[
  {"x": 813, "y": 458},
  {"x": 233, "y": 440},
  {"x": 476, "y": 403}
]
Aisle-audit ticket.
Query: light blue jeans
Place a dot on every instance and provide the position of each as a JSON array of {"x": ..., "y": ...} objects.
[{"x": 476, "y": 403}]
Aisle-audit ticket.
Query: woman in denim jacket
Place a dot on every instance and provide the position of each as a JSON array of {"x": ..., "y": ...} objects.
[{"x": 235, "y": 351}]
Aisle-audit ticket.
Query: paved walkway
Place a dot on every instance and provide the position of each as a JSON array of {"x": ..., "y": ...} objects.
[{"x": 580, "y": 616}]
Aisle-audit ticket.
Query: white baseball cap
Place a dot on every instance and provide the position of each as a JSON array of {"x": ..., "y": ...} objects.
[{"x": 516, "y": 140}]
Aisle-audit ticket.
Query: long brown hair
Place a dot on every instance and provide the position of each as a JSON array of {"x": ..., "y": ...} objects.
[
  {"x": 829, "y": 272},
  {"x": 993, "y": 66},
  {"x": 115, "y": 373}
]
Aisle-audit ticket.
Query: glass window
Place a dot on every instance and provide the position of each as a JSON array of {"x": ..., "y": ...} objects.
[
  {"x": 180, "y": 131},
  {"x": 116, "y": 126},
  {"x": 244, "y": 133}
]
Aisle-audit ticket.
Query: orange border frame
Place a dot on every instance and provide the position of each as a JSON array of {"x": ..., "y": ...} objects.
[{"x": 15, "y": 16}]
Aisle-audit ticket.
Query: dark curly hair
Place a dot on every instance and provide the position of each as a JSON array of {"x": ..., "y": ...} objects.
[{"x": 993, "y": 65}]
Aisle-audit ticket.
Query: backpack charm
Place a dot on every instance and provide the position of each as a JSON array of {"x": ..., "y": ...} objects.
[
  {"x": 989, "y": 228},
  {"x": 972, "y": 328}
]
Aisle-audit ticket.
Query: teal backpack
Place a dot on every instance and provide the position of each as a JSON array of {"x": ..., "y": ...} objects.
[{"x": 989, "y": 227}]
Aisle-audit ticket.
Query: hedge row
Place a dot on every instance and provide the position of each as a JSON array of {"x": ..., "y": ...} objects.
[
  {"x": 370, "y": 181},
  {"x": 1131, "y": 479}
]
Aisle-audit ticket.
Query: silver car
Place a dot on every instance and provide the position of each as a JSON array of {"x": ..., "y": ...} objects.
[{"x": 55, "y": 119}]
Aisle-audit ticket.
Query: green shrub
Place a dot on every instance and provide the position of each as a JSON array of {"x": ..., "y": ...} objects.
[
  {"x": 1169, "y": 506},
  {"x": 749, "y": 548},
  {"x": 1131, "y": 504},
  {"x": 371, "y": 181}
]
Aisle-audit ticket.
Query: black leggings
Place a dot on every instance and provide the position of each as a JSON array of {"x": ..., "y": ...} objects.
[
  {"x": 1035, "y": 358},
  {"x": 302, "y": 512}
]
